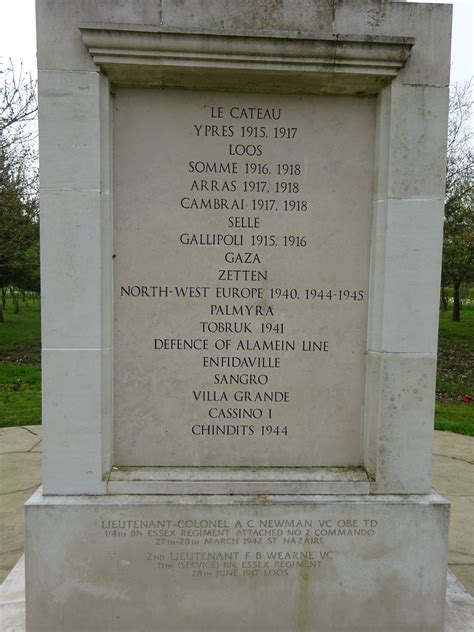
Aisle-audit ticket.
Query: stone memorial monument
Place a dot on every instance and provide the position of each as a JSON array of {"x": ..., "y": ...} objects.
[{"x": 241, "y": 217}]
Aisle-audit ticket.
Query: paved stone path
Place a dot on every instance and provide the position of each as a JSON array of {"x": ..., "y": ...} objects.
[
  {"x": 453, "y": 477},
  {"x": 20, "y": 476}
]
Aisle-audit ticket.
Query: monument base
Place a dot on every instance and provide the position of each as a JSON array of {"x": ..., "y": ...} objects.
[{"x": 226, "y": 563}]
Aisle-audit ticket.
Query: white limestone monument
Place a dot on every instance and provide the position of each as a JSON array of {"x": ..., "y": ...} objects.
[{"x": 241, "y": 223}]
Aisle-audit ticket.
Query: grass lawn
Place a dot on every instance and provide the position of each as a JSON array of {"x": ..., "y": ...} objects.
[
  {"x": 20, "y": 369},
  {"x": 455, "y": 379},
  {"x": 455, "y": 417},
  {"x": 20, "y": 335}
]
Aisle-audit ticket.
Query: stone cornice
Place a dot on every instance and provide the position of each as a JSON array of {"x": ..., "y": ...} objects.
[{"x": 293, "y": 62}]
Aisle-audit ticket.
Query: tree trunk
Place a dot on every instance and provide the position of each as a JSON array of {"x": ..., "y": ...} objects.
[
  {"x": 457, "y": 302},
  {"x": 2, "y": 318},
  {"x": 443, "y": 299},
  {"x": 4, "y": 297},
  {"x": 16, "y": 304}
]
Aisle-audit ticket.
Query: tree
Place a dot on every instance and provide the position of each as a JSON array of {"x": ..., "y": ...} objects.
[
  {"x": 18, "y": 114},
  {"x": 458, "y": 244},
  {"x": 18, "y": 180}
]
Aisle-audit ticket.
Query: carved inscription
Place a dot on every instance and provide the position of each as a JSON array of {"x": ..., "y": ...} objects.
[
  {"x": 250, "y": 314},
  {"x": 247, "y": 547}
]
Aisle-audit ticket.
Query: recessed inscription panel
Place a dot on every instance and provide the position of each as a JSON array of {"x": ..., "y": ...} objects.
[{"x": 241, "y": 243}]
